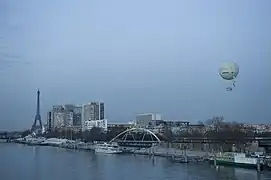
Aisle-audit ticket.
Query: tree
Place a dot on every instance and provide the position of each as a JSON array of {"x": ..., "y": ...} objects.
[
  {"x": 168, "y": 133},
  {"x": 113, "y": 132},
  {"x": 26, "y": 132},
  {"x": 94, "y": 134},
  {"x": 200, "y": 123}
]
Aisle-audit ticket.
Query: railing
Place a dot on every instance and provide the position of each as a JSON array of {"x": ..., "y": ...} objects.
[
  {"x": 135, "y": 141},
  {"x": 145, "y": 144},
  {"x": 216, "y": 138}
]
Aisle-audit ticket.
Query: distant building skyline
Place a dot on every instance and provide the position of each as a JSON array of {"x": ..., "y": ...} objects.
[{"x": 83, "y": 116}]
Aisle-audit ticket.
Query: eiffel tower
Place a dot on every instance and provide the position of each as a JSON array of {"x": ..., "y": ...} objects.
[{"x": 35, "y": 127}]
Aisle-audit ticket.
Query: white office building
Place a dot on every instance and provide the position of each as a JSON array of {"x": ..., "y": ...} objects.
[
  {"x": 144, "y": 120},
  {"x": 96, "y": 123},
  {"x": 93, "y": 115}
]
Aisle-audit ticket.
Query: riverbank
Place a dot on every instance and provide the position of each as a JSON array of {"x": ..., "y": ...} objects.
[
  {"x": 70, "y": 144},
  {"x": 173, "y": 154},
  {"x": 3, "y": 140}
]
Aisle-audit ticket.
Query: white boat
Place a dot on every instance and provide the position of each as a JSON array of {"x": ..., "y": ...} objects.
[
  {"x": 108, "y": 148},
  {"x": 236, "y": 159}
]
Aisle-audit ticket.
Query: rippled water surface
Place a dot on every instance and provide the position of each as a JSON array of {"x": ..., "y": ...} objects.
[{"x": 20, "y": 162}]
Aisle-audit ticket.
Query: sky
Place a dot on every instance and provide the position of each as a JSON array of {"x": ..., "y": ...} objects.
[{"x": 136, "y": 56}]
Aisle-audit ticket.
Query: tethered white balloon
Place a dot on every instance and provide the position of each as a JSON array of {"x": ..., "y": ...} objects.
[{"x": 229, "y": 71}]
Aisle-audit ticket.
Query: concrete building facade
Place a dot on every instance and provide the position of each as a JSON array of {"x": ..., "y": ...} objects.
[
  {"x": 96, "y": 123},
  {"x": 49, "y": 121},
  {"x": 69, "y": 119},
  {"x": 59, "y": 120},
  {"x": 93, "y": 111},
  {"x": 77, "y": 116},
  {"x": 145, "y": 120},
  {"x": 69, "y": 108},
  {"x": 58, "y": 115},
  {"x": 101, "y": 109}
]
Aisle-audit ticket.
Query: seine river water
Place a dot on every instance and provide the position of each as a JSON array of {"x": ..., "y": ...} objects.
[{"x": 21, "y": 162}]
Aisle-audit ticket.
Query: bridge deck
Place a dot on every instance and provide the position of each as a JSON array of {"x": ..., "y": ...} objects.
[{"x": 141, "y": 144}]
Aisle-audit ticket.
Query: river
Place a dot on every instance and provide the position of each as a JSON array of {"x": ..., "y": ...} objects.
[{"x": 21, "y": 162}]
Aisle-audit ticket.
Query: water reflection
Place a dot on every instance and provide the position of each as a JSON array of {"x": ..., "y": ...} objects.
[
  {"x": 96, "y": 166},
  {"x": 36, "y": 163},
  {"x": 208, "y": 172}
]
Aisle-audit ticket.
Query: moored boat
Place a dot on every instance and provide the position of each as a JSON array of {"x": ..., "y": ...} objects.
[
  {"x": 108, "y": 148},
  {"x": 236, "y": 159}
]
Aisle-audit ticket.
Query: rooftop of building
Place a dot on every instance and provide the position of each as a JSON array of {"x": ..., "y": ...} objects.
[
  {"x": 121, "y": 123},
  {"x": 147, "y": 114}
]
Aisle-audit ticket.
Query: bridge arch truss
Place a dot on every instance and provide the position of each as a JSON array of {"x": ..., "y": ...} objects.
[{"x": 137, "y": 135}]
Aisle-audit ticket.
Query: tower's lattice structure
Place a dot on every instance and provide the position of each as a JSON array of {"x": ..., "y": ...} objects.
[{"x": 37, "y": 125}]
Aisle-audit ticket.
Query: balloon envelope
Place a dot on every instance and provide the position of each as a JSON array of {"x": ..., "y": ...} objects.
[{"x": 229, "y": 71}]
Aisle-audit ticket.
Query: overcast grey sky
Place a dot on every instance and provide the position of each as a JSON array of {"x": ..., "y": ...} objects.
[{"x": 136, "y": 56}]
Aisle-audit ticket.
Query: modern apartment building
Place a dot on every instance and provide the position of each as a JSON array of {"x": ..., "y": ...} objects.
[
  {"x": 49, "y": 121},
  {"x": 101, "y": 109},
  {"x": 93, "y": 113},
  {"x": 69, "y": 108},
  {"x": 77, "y": 116},
  {"x": 58, "y": 117}
]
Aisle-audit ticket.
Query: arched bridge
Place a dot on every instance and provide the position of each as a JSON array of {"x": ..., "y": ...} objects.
[{"x": 137, "y": 137}]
